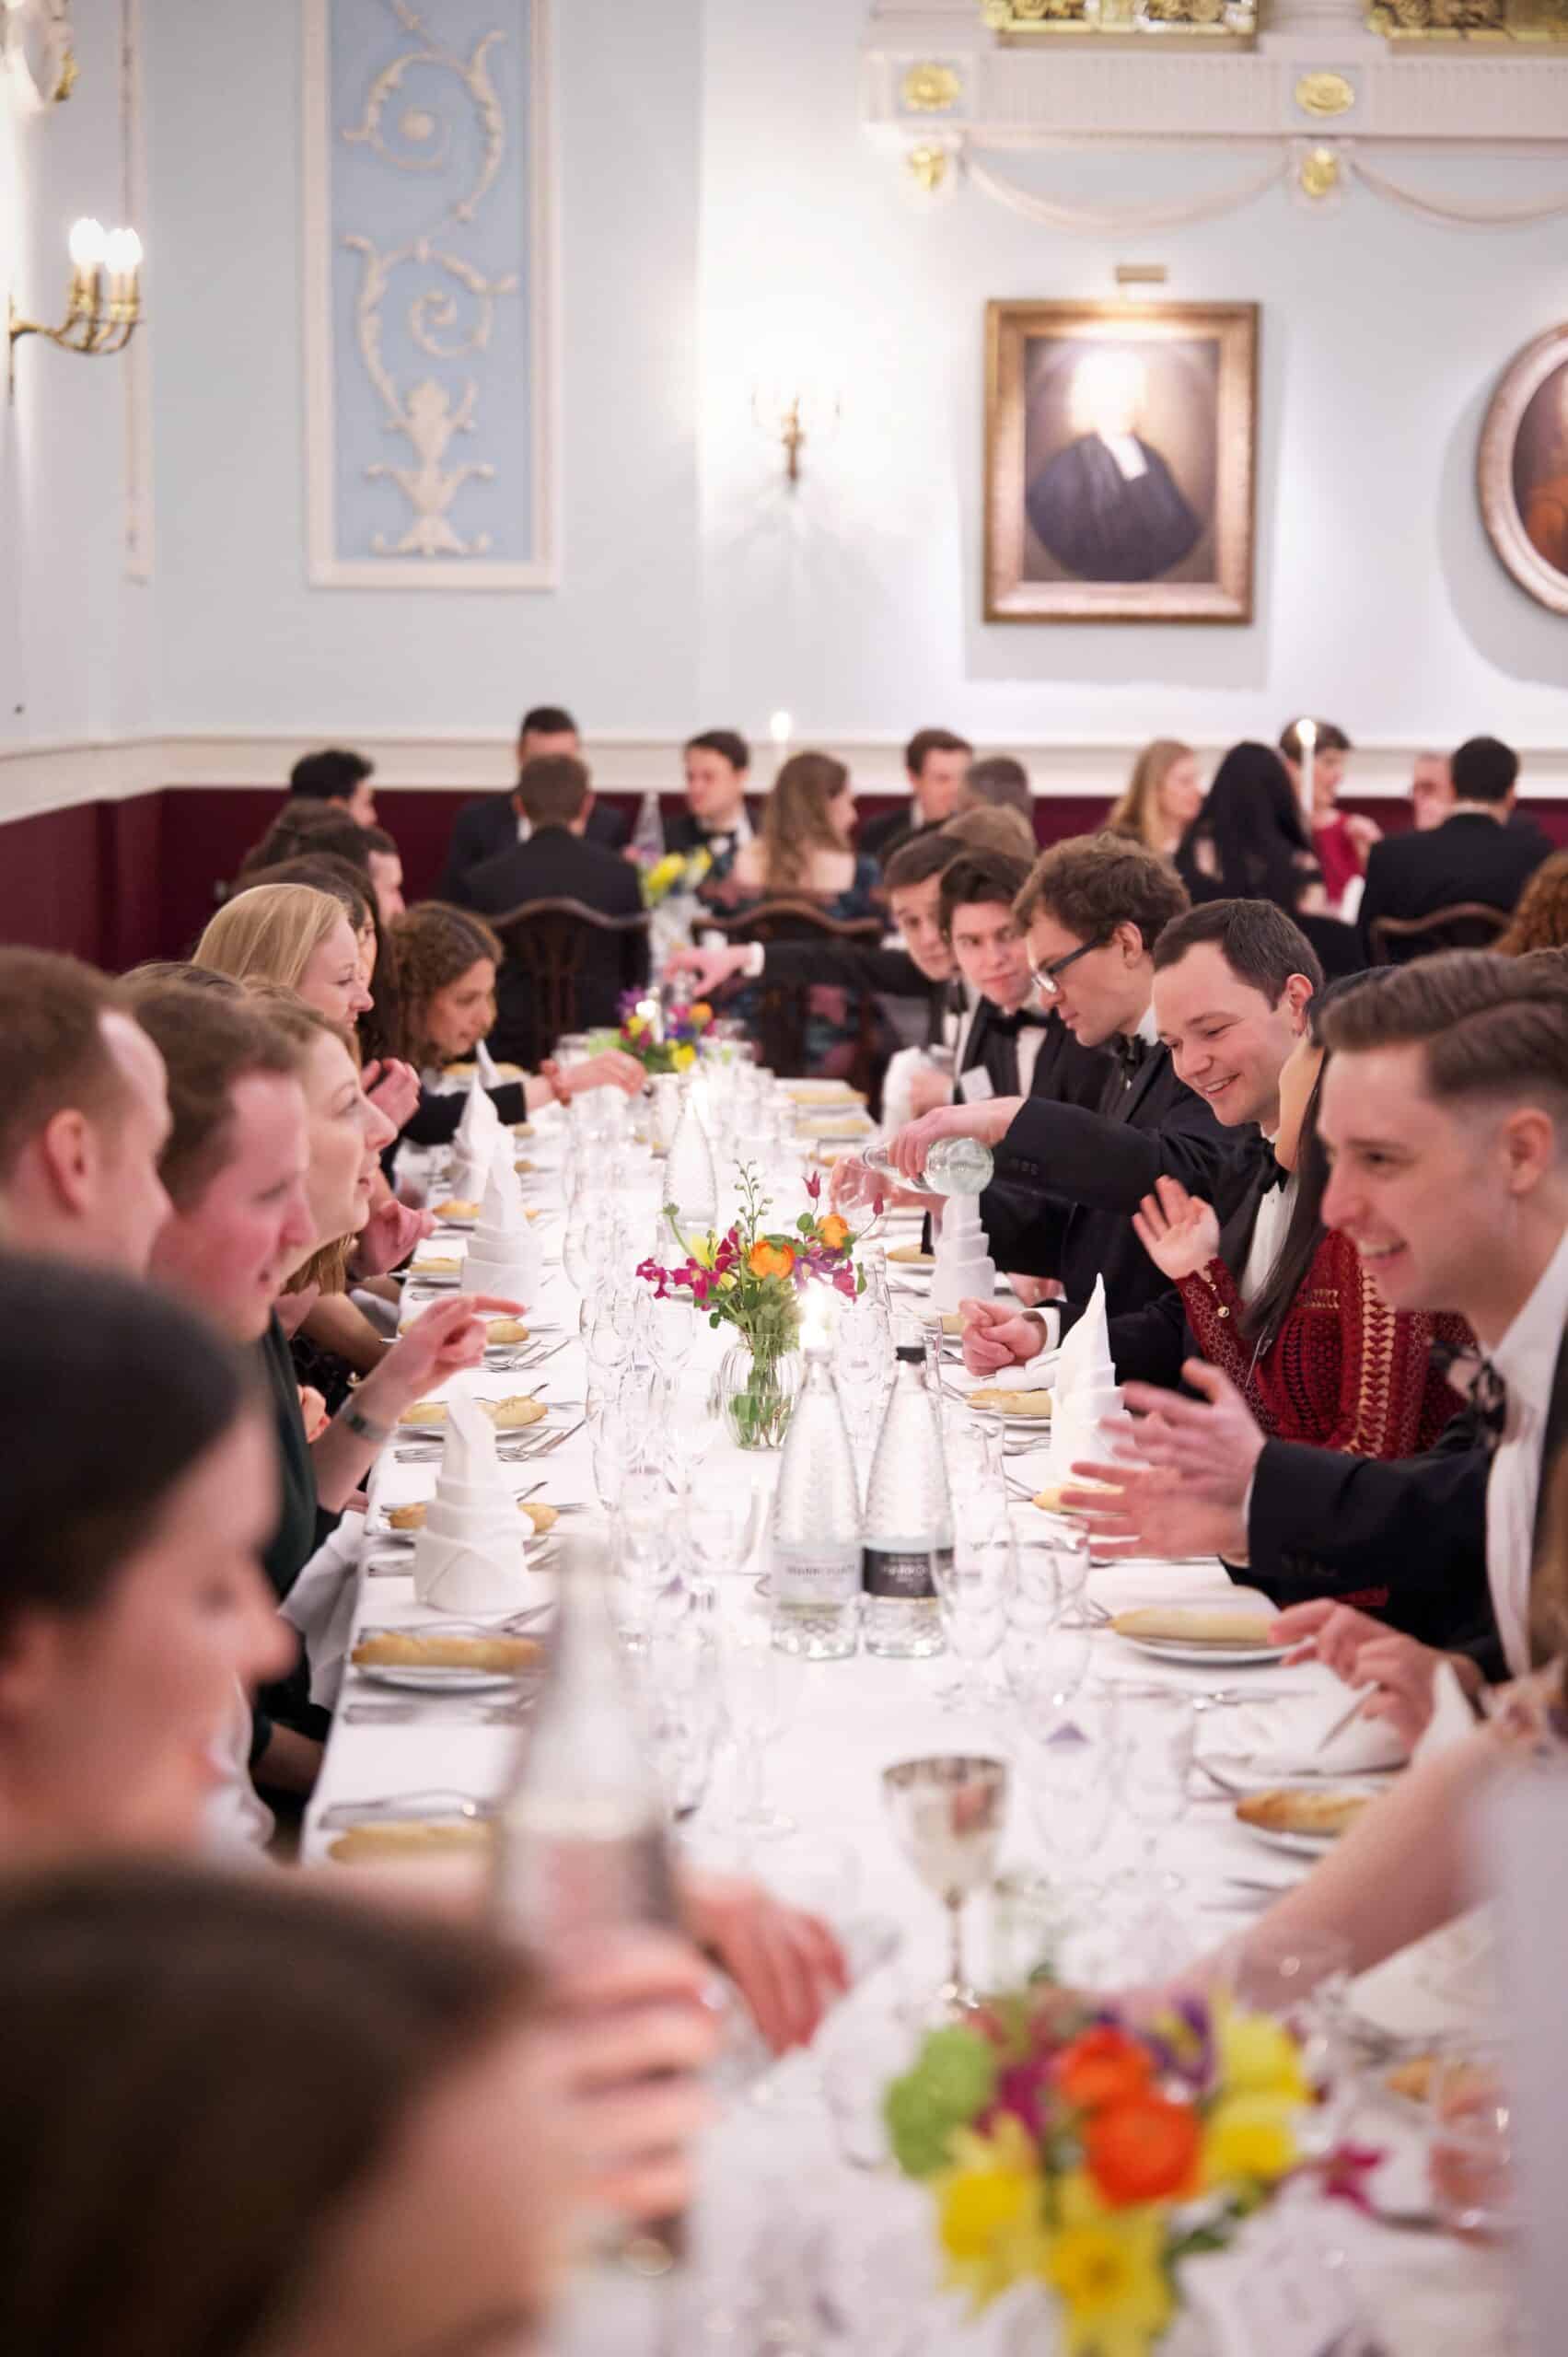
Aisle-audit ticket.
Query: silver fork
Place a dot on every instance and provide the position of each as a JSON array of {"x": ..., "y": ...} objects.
[{"x": 442, "y": 1800}]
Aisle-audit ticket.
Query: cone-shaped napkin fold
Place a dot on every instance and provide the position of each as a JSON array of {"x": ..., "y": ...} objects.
[
  {"x": 480, "y": 1132},
  {"x": 1084, "y": 1391},
  {"x": 504, "y": 1255},
  {"x": 486, "y": 1070},
  {"x": 469, "y": 1556}
]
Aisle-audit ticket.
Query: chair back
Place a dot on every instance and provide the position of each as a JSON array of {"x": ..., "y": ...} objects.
[
  {"x": 783, "y": 1009},
  {"x": 546, "y": 939},
  {"x": 1466, "y": 924}
]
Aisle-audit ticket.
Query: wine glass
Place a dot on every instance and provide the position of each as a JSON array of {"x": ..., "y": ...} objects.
[
  {"x": 761, "y": 1691},
  {"x": 1066, "y": 1769},
  {"x": 671, "y": 1330},
  {"x": 1067, "y": 1544},
  {"x": 1152, "y": 1765},
  {"x": 973, "y": 1590},
  {"x": 720, "y": 1524},
  {"x": 860, "y": 1365},
  {"x": 947, "y": 1811}
]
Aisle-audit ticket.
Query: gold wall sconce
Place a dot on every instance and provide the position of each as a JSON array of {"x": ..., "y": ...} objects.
[
  {"x": 792, "y": 414},
  {"x": 105, "y": 296}
]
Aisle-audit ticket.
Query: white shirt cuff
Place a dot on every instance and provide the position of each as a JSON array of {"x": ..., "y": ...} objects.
[{"x": 756, "y": 955}]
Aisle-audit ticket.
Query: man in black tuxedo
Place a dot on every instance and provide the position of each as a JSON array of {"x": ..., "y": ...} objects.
[
  {"x": 484, "y": 828},
  {"x": 557, "y": 863},
  {"x": 717, "y": 818},
  {"x": 1477, "y": 851},
  {"x": 937, "y": 766},
  {"x": 1233, "y": 980},
  {"x": 1094, "y": 908},
  {"x": 1444, "y": 1110}
]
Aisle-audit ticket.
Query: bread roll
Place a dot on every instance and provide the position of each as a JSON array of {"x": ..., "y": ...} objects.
[
  {"x": 1293, "y": 1809},
  {"x": 1193, "y": 1624},
  {"x": 427, "y": 1649}
]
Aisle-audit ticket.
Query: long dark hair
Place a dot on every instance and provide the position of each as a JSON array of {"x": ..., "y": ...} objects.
[
  {"x": 112, "y": 1394},
  {"x": 1304, "y": 1230},
  {"x": 1249, "y": 840},
  {"x": 199, "y": 2077}
]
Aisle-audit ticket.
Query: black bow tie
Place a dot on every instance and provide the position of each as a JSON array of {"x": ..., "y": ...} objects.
[
  {"x": 1130, "y": 1051},
  {"x": 1488, "y": 1390},
  {"x": 1024, "y": 1018},
  {"x": 1275, "y": 1175}
]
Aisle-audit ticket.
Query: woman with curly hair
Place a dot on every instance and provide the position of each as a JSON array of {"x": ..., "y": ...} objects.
[
  {"x": 446, "y": 962},
  {"x": 1540, "y": 919}
]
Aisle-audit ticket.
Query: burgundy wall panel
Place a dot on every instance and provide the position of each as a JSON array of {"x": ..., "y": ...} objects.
[{"x": 118, "y": 882}]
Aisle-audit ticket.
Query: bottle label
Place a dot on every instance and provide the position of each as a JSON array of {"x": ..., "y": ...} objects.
[
  {"x": 816, "y": 1575},
  {"x": 903, "y": 1571}
]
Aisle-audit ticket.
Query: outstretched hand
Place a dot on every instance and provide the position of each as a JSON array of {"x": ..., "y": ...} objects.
[{"x": 1179, "y": 1231}]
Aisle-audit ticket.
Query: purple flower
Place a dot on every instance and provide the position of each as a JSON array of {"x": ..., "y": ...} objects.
[{"x": 1024, "y": 2091}]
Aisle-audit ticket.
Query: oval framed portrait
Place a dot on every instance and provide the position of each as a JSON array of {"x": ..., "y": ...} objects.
[{"x": 1522, "y": 469}]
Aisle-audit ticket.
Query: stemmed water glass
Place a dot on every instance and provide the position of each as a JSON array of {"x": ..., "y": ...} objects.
[
  {"x": 973, "y": 1591},
  {"x": 762, "y": 1692},
  {"x": 720, "y": 1523},
  {"x": 1152, "y": 1765},
  {"x": 949, "y": 1811},
  {"x": 860, "y": 1366},
  {"x": 644, "y": 1531}
]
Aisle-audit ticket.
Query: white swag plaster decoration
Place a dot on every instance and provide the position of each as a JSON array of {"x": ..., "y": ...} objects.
[{"x": 425, "y": 413}]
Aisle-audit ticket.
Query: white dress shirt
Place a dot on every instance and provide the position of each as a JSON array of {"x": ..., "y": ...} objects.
[
  {"x": 1268, "y": 1235},
  {"x": 1526, "y": 1359}
]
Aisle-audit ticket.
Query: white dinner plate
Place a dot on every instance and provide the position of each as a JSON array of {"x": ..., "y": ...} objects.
[
  {"x": 1296, "y": 1845},
  {"x": 430, "y": 1678},
  {"x": 1204, "y": 1656}
]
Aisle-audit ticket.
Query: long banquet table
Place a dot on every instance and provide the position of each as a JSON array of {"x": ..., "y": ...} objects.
[{"x": 780, "y": 2194}]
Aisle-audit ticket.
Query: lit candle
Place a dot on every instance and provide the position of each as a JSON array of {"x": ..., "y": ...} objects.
[
  {"x": 123, "y": 252},
  {"x": 1307, "y": 738},
  {"x": 780, "y": 728},
  {"x": 87, "y": 244}
]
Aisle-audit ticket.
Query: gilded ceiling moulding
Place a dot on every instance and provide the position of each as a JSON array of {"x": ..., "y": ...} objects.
[
  {"x": 1481, "y": 22},
  {"x": 1233, "y": 22}
]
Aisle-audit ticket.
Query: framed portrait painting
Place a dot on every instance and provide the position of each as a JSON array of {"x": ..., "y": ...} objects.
[
  {"x": 1120, "y": 461},
  {"x": 1523, "y": 469}
]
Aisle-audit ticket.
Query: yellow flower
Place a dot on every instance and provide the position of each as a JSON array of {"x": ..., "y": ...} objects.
[
  {"x": 683, "y": 1055},
  {"x": 1249, "y": 2136},
  {"x": 989, "y": 2211},
  {"x": 1256, "y": 2056},
  {"x": 663, "y": 872},
  {"x": 1108, "y": 2268}
]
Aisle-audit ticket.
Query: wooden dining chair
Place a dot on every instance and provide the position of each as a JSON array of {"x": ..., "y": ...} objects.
[
  {"x": 1466, "y": 924},
  {"x": 783, "y": 1009},
  {"x": 548, "y": 940}
]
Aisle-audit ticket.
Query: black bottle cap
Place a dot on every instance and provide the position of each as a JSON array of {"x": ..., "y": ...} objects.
[{"x": 913, "y": 1354}]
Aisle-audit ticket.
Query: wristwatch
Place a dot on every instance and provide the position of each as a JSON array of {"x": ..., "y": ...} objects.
[{"x": 353, "y": 1417}]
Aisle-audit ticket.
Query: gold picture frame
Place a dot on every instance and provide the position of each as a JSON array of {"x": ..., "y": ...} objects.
[
  {"x": 1120, "y": 461},
  {"x": 1522, "y": 469}
]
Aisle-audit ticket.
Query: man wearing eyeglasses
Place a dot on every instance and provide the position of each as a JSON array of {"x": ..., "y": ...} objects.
[{"x": 1068, "y": 1179}]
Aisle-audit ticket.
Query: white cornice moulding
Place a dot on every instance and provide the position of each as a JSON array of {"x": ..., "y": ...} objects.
[{"x": 38, "y": 778}]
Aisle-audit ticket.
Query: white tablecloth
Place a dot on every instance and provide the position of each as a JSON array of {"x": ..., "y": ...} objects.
[{"x": 778, "y": 2180}]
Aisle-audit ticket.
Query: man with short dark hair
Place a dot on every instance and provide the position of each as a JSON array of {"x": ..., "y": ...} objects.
[
  {"x": 937, "y": 764},
  {"x": 1093, "y": 909},
  {"x": 1233, "y": 982},
  {"x": 717, "y": 818},
  {"x": 84, "y": 1114},
  {"x": 557, "y": 863},
  {"x": 337, "y": 775},
  {"x": 1473, "y": 852},
  {"x": 1445, "y": 1114},
  {"x": 485, "y": 829}
]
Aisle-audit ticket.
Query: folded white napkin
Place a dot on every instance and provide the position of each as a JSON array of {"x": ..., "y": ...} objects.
[
  {"x": 320, "y": 1606},
  {"x": 480, "y": 1132},
  {"x": 485, "y": 1066},
  {"x": 1085, "y": 1389},
  {"x": 1452, "y": 1719},
  {"x": 1285, "y": 1738},
  {"x": 469, "y": 1555},
  {"x": 504, "y": 1255}
]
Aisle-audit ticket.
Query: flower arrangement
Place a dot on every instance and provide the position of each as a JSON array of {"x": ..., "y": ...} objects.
[
  {"x": 676, "y": 872},
  {"x": 752, "y": 1278},
  {"x": 1067, "y": 2146},
  {"x": 662, "y": 1038}
]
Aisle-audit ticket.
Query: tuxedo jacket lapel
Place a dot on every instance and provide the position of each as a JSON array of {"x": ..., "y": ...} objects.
[{"x": 1553, "y": 1444}]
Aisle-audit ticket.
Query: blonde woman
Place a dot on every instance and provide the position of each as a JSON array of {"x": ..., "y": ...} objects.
[
  {"x": 1164, "y": 795},
  {"x": 805, "y": 845},
  {"x": 447, "y": 962},
  {"x": 293, "y": 935}
]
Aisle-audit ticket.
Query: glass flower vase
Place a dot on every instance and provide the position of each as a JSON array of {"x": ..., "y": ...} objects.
[{"x": 756, "y": 1389}]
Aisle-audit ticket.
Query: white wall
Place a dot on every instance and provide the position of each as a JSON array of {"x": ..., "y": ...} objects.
[
  {"x": 857, "y": 603},
  {"x": 72, "y": 627},
  {"x": 719, "y": 205}
]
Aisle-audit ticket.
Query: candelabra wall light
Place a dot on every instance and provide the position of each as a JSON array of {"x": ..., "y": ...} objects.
[
  {"x": 105, "y": 296},
  {"x": 792, "y": 414}
]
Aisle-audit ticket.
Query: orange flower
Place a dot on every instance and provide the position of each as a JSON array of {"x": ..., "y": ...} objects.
[
  {"x": 1102, "y": 2066},
  {"x": 1144, "y": 2150},
  {"x": 833, "y": 1231},
  {"x": 766, "y": 1259},
  {"x": 701, "y": 1012}
]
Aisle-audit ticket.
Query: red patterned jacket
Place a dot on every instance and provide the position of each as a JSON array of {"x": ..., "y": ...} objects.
[{"x": 1342, "y": 1370}]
